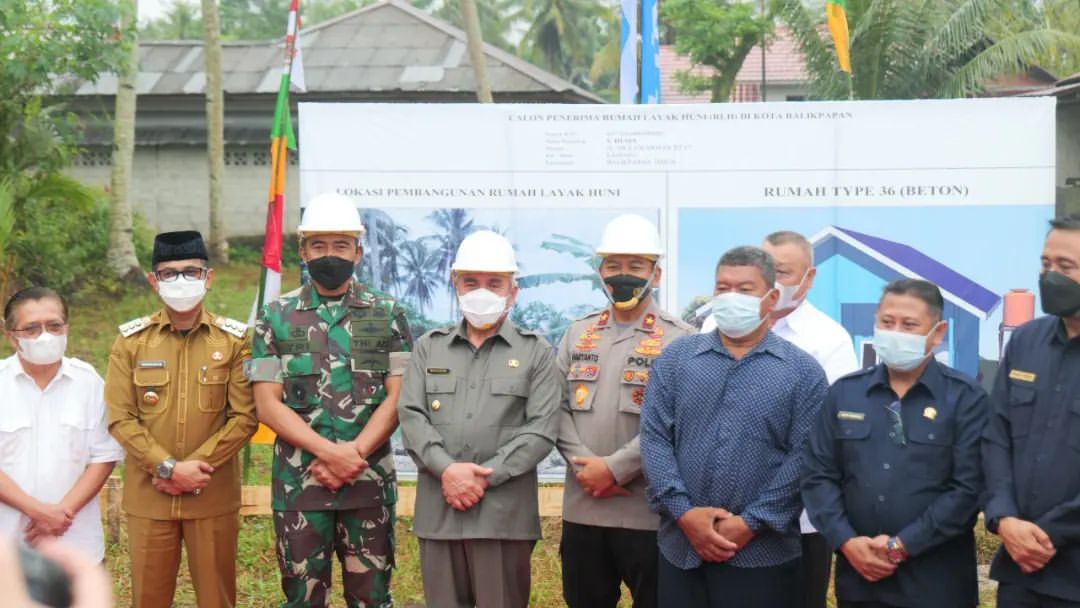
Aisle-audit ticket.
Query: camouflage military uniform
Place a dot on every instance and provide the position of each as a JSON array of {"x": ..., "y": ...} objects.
[{"x": 332, "y": 358}]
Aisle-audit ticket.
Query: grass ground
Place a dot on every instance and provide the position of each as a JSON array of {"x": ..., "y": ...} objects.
[{"x": 94, "y": 318}]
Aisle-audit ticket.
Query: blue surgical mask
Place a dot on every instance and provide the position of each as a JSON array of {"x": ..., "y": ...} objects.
[
  {"x": 901, "y": 351},
  {"x": 737, "y": 314}
]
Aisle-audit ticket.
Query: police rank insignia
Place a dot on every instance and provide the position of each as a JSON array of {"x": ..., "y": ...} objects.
[{"x": 929, "y": 413}]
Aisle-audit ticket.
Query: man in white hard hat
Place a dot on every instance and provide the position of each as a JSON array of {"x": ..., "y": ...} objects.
[
  {"x": 327, "y": 361},
  {"x": 609, "y": 533},
  {"x": 478, "y": 412}
]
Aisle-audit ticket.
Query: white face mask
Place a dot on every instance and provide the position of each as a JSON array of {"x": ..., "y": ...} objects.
[
  {"x": 44, "y": 349},
  {"x": 482, "y": 307},
  {"x": 787, "y": 293},
  {"x": 182, "y": 294},
  {"x": 737, "y": 314},
  {"x": 900, "y": 350}
]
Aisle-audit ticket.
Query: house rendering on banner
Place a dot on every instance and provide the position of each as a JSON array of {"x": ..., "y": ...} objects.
[{"x": 853, "y": 268}]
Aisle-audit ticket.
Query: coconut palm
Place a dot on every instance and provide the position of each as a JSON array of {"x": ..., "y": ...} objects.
[
  {"x": 562, "y": 34},
  {"x": 382, "y": 253},
  {"x": 419, "y": 266},
  {"x": 454, "y": 226},
  {"x": 913, "y": 49}
]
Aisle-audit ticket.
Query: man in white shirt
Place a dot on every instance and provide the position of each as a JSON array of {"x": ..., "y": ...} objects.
[
  {"x": 801, "y": 323},
  {"x": 55, "y": 447}
]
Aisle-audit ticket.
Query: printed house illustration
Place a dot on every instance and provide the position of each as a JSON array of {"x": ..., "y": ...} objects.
[{"x": 854, "y": 267}]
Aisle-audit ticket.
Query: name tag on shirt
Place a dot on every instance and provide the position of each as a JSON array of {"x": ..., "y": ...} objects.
[
  {"x": 437, "y": 370},
  {"x": 842, "y": 415},
  {"x": 151, "y": 364},
  {"x": 1016, "y": 374}
]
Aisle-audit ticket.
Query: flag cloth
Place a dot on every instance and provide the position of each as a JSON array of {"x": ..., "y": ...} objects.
[
  {"x": 836, "y": 16},
  {"x": 628, "y": 53},
  {"x": 282, "y": 140}
]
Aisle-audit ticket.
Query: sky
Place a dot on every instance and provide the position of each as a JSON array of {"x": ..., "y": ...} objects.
[{"x": 151, "y": 9}]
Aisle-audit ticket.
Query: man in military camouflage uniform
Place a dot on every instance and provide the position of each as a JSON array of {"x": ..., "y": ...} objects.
[
  {"x": 327, "y": 364},
  {"x": 180, "y": 405},
  {"x": 609, "y": 533}
]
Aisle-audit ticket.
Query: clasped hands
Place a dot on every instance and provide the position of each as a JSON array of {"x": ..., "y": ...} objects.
[
  {"x": 596, "y": 478},
  {"x": 716, "y": 534},
  {"x": 188, "y": 477},
  {"x": 464, "y": 483}
]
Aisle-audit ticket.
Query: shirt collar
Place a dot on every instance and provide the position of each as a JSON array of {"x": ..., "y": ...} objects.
[
  {"x": 797, "y": 319},
  {"x": 931, "y": 378},
  {"x": 161, "y": 318},
  {"x": 63, "y": 372},
  {"x": 356, "y": 296},
  {"x": 506, "y": 332},
  {"x": 771, "y": 343}
]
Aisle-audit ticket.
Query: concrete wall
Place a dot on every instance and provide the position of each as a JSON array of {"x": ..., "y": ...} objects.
[
  {"x": 1068, "y": 156},
  {"x": 171, "y": 187}
]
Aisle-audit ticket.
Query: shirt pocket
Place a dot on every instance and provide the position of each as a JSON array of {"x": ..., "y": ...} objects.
[
  {"x": 581, "y": 384},
  {"x": 441, "y": 392},
  {"x": 365, "y": 388},
  {"x": 853, "y": 436},
  {"x": 75, "y": 432},
  {"x": 151, "y": 391},
  {"x": 1021, "y": 410},
  {"x": 302, "y": 391},
  {"x": 632, "y": 390},
  {"x": 213, "y": 388},
  {"x": 507, "y": 404},
  {"x": 931, "y": 447},
  {"x": 14, "y": 441}
]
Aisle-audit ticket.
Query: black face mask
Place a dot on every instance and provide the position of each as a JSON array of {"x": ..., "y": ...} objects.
[
  {"x": 1060, "y": 295},
  {"x": 626, "y": 287},
  {"x": 330, "y": 271}
]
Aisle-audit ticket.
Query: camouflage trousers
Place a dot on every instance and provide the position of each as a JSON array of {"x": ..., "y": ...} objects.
[{"x": 363, "y": 540}]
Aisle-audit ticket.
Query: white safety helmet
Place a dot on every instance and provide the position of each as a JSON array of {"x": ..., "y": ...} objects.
[
  {"x": 331, "y": 212},
  {"x": 485, "y": 251},
  {"x": 631, "y": 235}
]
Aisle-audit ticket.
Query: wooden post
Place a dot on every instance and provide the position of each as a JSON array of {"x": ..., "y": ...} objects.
[{"x": 111, "y": 497}]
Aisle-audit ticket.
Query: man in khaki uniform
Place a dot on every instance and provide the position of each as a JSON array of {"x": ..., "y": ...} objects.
[
  {"x": 478, "y": 412},
  {"x": 180, "y": 405},
  {"x": 609, "y": 533}
]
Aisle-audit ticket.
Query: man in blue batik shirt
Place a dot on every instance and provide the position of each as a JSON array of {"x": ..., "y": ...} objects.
[{"x": 723, "y": 425}]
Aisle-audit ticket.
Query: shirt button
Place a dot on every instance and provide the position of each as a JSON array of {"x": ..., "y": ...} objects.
[
  {"x": 880, "y": 498},
  {"x": 1039, "y": 458},
  {"x": 930, "y": 436},
  {"x": 892, "y": 435},
  {"x": 468, "y": 416},
  {"x": 472, "y": 385},
  {"x": 886, "y": 466}
]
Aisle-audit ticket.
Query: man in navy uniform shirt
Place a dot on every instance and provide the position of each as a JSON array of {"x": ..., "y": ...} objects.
[
  {"x": 891, "y": 474},
  {"x": 1031, "y": 452}
]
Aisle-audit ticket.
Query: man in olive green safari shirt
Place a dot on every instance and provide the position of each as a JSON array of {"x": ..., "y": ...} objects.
[
  {"x": 478, "y": 412},
  {"x": 326, "y": 365}
]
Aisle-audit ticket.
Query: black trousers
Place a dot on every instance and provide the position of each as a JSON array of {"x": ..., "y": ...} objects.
[
  {"x": 713, "y": 585},
  {"x": 863, "y": 605},
  {"x": 816, "y": 564},
  {"x": 595, "y": 560},
  {"x": 1018, "y": 596}
]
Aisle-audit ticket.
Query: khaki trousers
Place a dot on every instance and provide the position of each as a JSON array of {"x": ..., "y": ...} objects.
[
  {"x": 211, "y": 555},
  {"x": 484, "y": 573}
]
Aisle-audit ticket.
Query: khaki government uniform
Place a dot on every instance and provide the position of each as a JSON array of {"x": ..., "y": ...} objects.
[
  {"x": 171, "y": 395},
  {"x": 495, "y": 406}
]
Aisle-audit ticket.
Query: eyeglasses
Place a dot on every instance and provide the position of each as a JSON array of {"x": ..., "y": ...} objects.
[
  {"x": 55, "y": 328},
  {"x": 191, "y": 273},
  {"x": 897, "y": 432}
]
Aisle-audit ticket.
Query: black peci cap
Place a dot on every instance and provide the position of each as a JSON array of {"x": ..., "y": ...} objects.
[{"x": 180, "y": 245}]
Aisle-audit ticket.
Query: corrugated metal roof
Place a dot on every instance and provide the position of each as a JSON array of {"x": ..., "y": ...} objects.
[{"x": 384, "y": 47}]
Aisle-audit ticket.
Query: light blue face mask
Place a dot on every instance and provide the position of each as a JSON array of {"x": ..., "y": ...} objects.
[
  {"x": 737, "y": 314},
  {"x": 901, "y": 351}
]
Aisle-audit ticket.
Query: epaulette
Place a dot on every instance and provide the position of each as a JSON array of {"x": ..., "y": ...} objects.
[
  {"x": 673, "y": 319},
  {"x": 231, "y": 326},
  {"x": 857, "y": 373},
  {"x": 134, "y": 326},
  {"x": 956, "y": 374}
]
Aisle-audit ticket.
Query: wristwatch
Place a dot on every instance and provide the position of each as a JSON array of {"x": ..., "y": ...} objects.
[
  {"x": 894, "y": 550},
  {"x": 165, "y": 469}
]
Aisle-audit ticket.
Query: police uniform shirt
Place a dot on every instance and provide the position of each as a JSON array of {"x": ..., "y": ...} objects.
[
  {"x": 604, "y": 369},
  {"x": 858, "y": 480},
  {"x": 495, "y": 406},
  {"x": 1031, "y": 452}
]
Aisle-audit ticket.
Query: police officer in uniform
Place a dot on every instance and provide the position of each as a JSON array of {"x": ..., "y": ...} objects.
[
  {"x": 891, "y": 474},
  {"x": 478, "y": 412},
  {"x": 1031, "y": 451},
  {"x": 609, "y": 533},
  {"x": 327, "y": 364},
  {"x": 179, "y": 404}
]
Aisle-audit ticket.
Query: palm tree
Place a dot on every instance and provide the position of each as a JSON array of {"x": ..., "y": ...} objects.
[
  {"x": 215, "y": 131},
  {"x": 382, "y": 255},
  {"x": 120, "y": 256},
  {"x": 915, "y": 49},
  {"x": 455, "y": 225},
  {"x": 562, "y": 34},
  {"x": 419, "y": 266},
  {"x": 180, "y": 22},
  {"x": 578, "y": 249}
]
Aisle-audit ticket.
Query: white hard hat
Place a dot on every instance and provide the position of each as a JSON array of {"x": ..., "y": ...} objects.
[
  {"x": 485, "y": 251},
  {"x": 331, "y": 212},
  {"x": 632, "y": 235}
]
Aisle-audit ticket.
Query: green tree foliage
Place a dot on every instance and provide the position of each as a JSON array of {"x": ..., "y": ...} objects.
[
  {"x": 47, "y": 48},
  {"x": 905, "y": 49},
  {"x": 714, "y": 33},
  {"x": 181, "y": 21}
]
